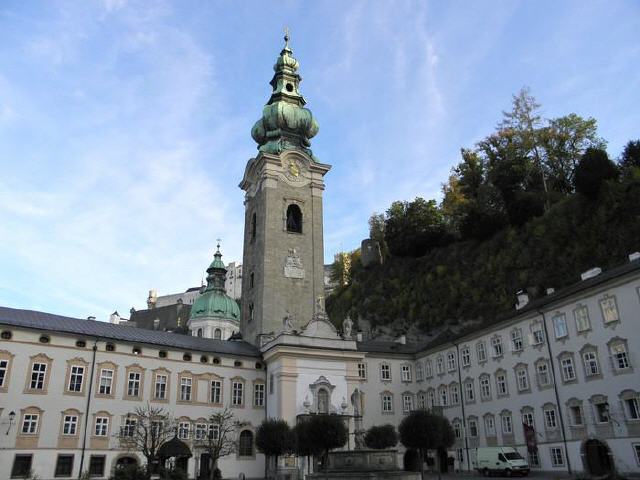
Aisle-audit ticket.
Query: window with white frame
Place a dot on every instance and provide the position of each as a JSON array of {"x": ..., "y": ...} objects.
[
  {"x": 183, "y": 430},
  {"x": 431, "y": 398},
  {"x": 387, "y": 402},
  {"x": 609, "y": 309},
  {"x": 543, "y": 374},
  {"x": 70, "y": 425},
  {"x": 213, "y": 431},
  {"x": 419, "y": 372},
  {"x": 550, "y": 418},
  {"x": 590, "y": 361},
  {"x": 457, "y": 429},
  {"x": 160, "y": 387},
  {"x": 4, "y": 365},
  {"x": 473, "y": 427},
  {"x": 133, "y": 384},
  {"x": 466, "y": 356},
  {"x": 489, "y": 426},
  {"x": 581, "y": 316},
  {"x": 501, "y": 384},
  {"x": 575, "y": 415},
  {"x": 444, "y": 396},
  {"x": 258, "y": 395},
  {"x": 385, "y": 372},
  {"x": 428, "y": 369},
  {"x": 129, "y": 427},
  {"x": 185, "y": 388},
  {"x": 522, "y": 378},
  {"x": 38, "y": 375},
  {"x": 619, "y": 355},
  {"x": 451, "y": 361},
  {"x": 560, "y": 325},
  {"x": 469, "y": 391},
  {"x": 527, "y": 418},
  {"x": 537, "y": 334},
  {"x": 407, "y": 402},
  {"x": 200, "y": 431},
  {"x": 636, "y": 446},
  {"x": 557, "y": 457},
  {"x": 516, "y": 340},
  {"x": 507, "y": 424},
  {"x": 30, "y": 423},
  {"x": 496, "y": 345},
  {"x": 101, "y": 427},
  {"x": 106, "y": 381},
  {"x": 237, "y": 393},
  {"x": 601, "y": 408},
  {"x": 216, "y": 391},
  {"x": 485, "y": 387},
  {"x": 567, "y": 368},
  {"x": 362, "y": 371},
  {"x": 405, "y": 372},
  {"x": 422, "y": 401},
  {"x": 534, "y": 458},
  {"x": 75, "y": 378},
  {"x": 439, "y": 365},
  {"x": 481, "y": 352},
  {"x": 454, "y": 392},
  {"x": 632, "y": 407}
]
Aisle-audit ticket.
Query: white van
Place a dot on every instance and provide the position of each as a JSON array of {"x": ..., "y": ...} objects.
[{"x": 504, "y": 460}]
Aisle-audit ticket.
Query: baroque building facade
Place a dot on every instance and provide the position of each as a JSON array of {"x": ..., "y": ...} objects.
[{"x": 558, "y": 378}]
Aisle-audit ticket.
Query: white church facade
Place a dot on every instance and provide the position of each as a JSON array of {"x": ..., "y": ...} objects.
[{"x": 558, "y": 378}]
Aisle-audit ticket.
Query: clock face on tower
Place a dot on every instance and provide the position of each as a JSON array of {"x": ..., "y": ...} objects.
[{"x": 293, "y": 169}]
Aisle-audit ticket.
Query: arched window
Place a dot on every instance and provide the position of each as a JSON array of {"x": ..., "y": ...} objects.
[
  {"x": 253, "y": 226},
  {"x": 217, "y": 334},
  {"x": 200, "y": 332},
  {"x": 323, "y": 401},
  {"x": 245, "y": 445},
  {"x": 294, "y": 219}
]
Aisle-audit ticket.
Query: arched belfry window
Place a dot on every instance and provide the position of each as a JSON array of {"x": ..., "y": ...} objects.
[
  {"x": 294, "y": 219},
  {"x": 217, "y": 334}
]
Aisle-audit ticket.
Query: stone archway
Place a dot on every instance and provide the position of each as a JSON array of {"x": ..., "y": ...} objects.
[{"x": 597, "y": 457}]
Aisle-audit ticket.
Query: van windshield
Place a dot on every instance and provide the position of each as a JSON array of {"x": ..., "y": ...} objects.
[{"x": 513, "y": 456}]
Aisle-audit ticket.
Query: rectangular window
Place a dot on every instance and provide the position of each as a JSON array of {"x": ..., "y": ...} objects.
[
  {"x": 183, "y": 430},
  {"x": 473, "y": 427},
  {"x": 523, "y": 379},
  {"x": 485, "y": 388},
  {"x": 469, "y": 392},
  {"x": 557, "y": 457},
  {"x": 516, "y": 340},
  {"x": 537, "y": 335},
  {"x": 102, "y": 426},
  {"x": 76, "y": 377},
  {"x": 636, "y": 446},
  {"x": 200, "y": 431},
  {"x": 70, "y": 425},
  {"x": 428, "y": 369},
  {"x": 387, "y": 403},
  {"x": 133, "y": 384},
  {"x": 590, "y": 364},
  {"x": 237, "y": 394},
  {"x": 160, "y": 388},
  {"x": 527, "y": 419},
  {"x": 457, "y": 430},
  {"x": 106, "y": 380},
  {"x": 466, "y": 357},
  {"x": 185, "y": 389},
  {"x": 4, "y": 364},
  {"x": 64, "y": 466},
  {"x": 490, "y": 426},
  {"x": 560, "y": 326},
  {"x": 620, "y": 357},
  {"x": 501, "y": 384},
  {"x": 362, "y": 371},
  {"x": 507, "y": 426},
  {"x": 129, "y": 427},
  {"x": 581, "y": 316},
  {"x": 568, "y": 372},
  {"x": 550, "y": 419},
  {"x": 444, "y": 397},
  {"x": 96, "y": 465},
  {"x": 405, "y": 372},
  {"x": 21, "y": 466},
  {"x": 30, "y": 423},
  {"x": 216, "y": 391},
  {"x": 496, "y": 344},
  {"x": 258, "y": 395},
  {"x": 633, "y": 408},
  {"x": 451, "y": 361},
  {"x": 439, "y": 365},
  {"x": 543, "y": 374},
  {"x": 576, "y": 415},
  {"x": 214, "y": 431},
  {"x": 38, "y": 373},
  {"x": 385, "y": 372},
  {"x": 481, "y": 351},
  {"x": 422, "y": 401},
  {"x": 602, "y": 412},
  {"x": 157, "y": 428},
  {"x": 407, "y": 403},
  {"x": 609, "y": 310},
  {"x": 534, "y": 459},
  {"x": 455, "y": 395},
  {"x": 419, "y": 373}
]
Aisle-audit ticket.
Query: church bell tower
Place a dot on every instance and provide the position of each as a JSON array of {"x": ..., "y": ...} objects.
[{"x": 283, "y": 258}]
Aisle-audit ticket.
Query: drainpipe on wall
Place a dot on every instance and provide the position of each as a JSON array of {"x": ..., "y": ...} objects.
[
  {"x": 86, "y": 417},
  {"x": 464, "y": 416},
  {"x": 267, "y": 386},
  {"x": 555, "y": 389}
]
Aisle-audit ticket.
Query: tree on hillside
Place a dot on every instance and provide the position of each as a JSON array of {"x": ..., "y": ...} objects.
[
  {"x": 381, "y": 436},
  {"x": 630, "y": 158},
  {"x": 274, "y": 438},
  {"x": 145, "y": 431},
  {"x": 220, "y": 439},
  {"x": 423, "y": 430},
  {"x": 376, "y": 232},
  {"x": 593, "y": 170}
]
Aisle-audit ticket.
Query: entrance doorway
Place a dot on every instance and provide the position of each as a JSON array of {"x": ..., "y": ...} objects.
[
  {"x": 597, "y": 457},
  {"x": 443, "y": 460},
  {"x": 205, "y": 466}
]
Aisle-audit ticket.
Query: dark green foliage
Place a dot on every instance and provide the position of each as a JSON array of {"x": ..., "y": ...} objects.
[
  {"x": 130, "y": 472},
  {"x": 381, "y": 436},
  {"x": 319, "y": 434},
  {"x": 424, "y": 430},
  {"x": 593, "y": 170},
  {"x": 477, "y": 281},
  {"x": 630, "y": 158},
  {"x": 274, "y": 438},
  {"x": 173, "y": 474},
  {"x": 304, "y": 443}
]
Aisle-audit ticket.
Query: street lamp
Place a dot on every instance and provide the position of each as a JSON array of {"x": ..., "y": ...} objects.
[{"x": 12, "y": 416}]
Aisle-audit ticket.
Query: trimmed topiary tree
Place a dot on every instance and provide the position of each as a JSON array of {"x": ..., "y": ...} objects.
[
  {"x": 274, "y": 438},
  {"x": 381, "y": 436},
  {"x": 325, "y": 433},
  {"x": 593, "y": 170}
]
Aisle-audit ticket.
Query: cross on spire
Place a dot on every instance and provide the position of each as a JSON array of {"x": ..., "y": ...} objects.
[{"x": 286, "y": 37}]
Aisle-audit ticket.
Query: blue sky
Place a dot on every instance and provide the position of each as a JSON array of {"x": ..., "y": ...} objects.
[{"x": 125, "y": 125}]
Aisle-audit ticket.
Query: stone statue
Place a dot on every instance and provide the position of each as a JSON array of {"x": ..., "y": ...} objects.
[
  {"x": 287, "y": 322},
  {"x": 347, "y": 326},
  {"x": 319, "y": 308},
  {"x": 358, "y": 432}
]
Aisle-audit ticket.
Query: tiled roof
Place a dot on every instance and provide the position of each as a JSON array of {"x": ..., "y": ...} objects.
[
  {"x": 170, "y": 317},
  {"x": 109, "y": 331}
]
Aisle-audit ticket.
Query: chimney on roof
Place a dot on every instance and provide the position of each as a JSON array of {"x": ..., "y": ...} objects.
[
  {"x": 551, "y": 291},
  {"x": 402, "y": 339},
  {"x": 523, "y": 299},
  {"x": 114, "y": 318},
  {"x": 634, "y": 256},
  {"x": 594, "y": 272},
  {"x": 152, "y": 298}
]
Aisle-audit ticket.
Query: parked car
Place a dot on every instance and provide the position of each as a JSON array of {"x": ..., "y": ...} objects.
[{"x": 503, "y": 460}]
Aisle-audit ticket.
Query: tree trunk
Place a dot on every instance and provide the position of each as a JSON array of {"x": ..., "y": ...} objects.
[{"x": 421, "y": 455}]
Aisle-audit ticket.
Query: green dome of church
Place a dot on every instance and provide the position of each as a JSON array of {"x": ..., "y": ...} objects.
[
  {"x": 214, "y": 302},
  {"x": 285, "y": 123}
]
